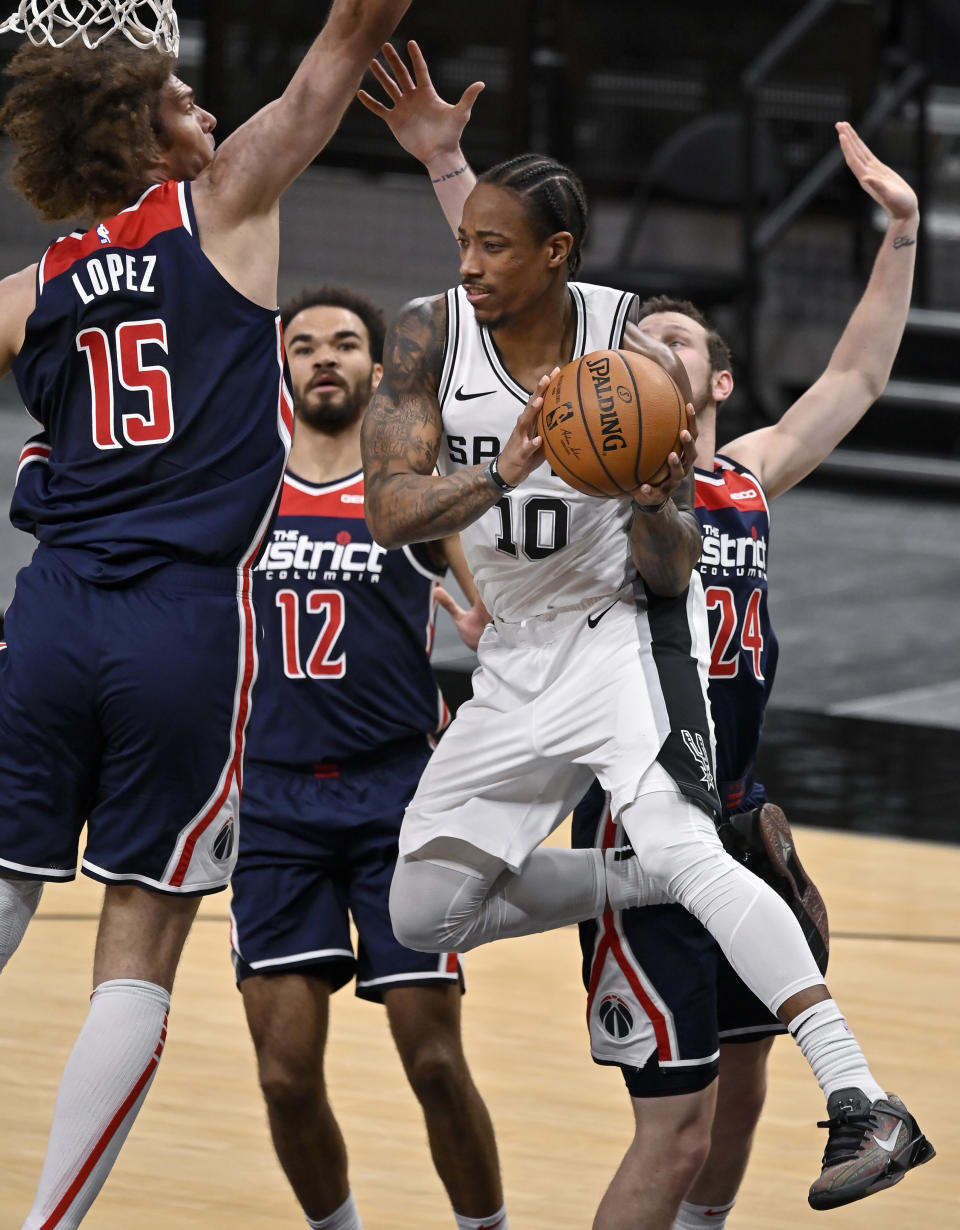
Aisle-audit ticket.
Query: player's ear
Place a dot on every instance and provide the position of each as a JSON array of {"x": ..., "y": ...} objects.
[
  {"x": 376, "y": 375},
  {"x": 721, "y": 386},
  {"x": 559, "y": 247}
]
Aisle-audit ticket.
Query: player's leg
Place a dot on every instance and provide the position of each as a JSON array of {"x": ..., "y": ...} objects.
[
  {"x": 651, "y": 981},
  {"x": 48, "y": 743},
  {"x": 288, "y": 1018},
  {"x": 290, "y": 935},
  {"x": 470, "y": 869},
  {"x": 760, "y": 838},
  {"x": 670, "y": 1141},
  {"x": 169, "y": 698},
  {"x": 422, "y": 995},
  {"x": 741, "y": 1090},
  {"x": 761, "y": 938},
  {"x": 462, "y": 897},
  {"x": 18, "y": 903},
  {"x": 113, "y": 1062},
  {"x": 425, "y": 1023}
]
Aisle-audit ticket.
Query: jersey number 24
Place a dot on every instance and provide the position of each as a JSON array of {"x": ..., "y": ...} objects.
[{"x": 724, "y": 651}]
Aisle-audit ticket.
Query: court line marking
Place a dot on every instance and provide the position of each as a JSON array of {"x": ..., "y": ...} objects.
[{"x": 220, "y": 919}]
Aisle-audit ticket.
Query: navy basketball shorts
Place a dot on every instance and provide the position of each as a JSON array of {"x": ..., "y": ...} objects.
[
  {"x": 123, "y": 708},
  {"x": 661, "y": 996},
  {"x": 316, "y": 848}
]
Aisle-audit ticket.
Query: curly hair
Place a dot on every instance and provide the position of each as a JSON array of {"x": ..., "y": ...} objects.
[{"x": 87, "y": 123}]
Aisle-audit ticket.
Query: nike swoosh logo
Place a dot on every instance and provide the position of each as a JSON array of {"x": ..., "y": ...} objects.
[
  {"x": 461, "y": 396},
  {"x": 888, "y": 1144},
  {"x": 593, "y": 620}
]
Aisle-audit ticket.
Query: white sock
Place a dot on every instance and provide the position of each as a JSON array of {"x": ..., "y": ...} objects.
[
  {"x": 832, "y": 1051},
  {"x": 495, "y": 1221},
  {"x": 344, "y": 1218},
  {"x": 103, "y": 1086},
  {"x": 696, "y": 1216},
  {"x": 18, "y": 901}
]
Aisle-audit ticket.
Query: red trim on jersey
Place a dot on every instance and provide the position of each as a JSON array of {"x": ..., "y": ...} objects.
[
  {"x": 286, "y": 397},
  {"x": 111, "y": 1130},
  {"x": 610, "y": 943},
  {"x": 31, "y": 453},
  {"x": 157, "y": 210},
  {"x": 295, "y": 502},
  {"x": 733, "y": 490}
]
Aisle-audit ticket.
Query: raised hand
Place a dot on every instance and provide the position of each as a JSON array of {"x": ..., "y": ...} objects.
[
  {"x": 423, "y": 123},
  {"x": 890, "y": 190}
]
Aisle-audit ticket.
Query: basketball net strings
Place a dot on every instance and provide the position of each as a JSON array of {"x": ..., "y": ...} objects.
[{"x": 146, "y": 23}]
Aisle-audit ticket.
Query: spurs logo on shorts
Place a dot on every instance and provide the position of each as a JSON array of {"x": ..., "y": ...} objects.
[{"x": 697, "y": 747}]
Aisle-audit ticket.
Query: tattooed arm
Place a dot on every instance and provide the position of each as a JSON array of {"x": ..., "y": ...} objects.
[
  {"x": 665, "y": 540},
  {"x": 405, "y": 501}
]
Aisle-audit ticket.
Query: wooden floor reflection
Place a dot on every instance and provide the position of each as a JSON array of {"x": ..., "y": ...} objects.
[{"x": 199, "y": 1156}]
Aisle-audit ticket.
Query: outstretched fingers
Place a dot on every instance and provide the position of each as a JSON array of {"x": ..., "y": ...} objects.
[{"x": 881, "y": 182}]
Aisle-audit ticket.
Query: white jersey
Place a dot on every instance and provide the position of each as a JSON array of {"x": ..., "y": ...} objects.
[{"x": 543, "y": 547}]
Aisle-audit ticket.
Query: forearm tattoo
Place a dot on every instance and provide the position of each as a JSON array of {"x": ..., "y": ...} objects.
[
  {"x": 666, "y": 547},
  {"x": 402, "y": 430}
]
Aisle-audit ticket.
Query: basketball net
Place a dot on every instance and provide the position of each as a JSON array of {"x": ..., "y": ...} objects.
[{"x": 147, "y": 23}]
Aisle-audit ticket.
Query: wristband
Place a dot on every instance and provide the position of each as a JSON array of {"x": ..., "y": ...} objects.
[
  {"x": 492, "y": 472},
  {"x": 651, "y": 510}
]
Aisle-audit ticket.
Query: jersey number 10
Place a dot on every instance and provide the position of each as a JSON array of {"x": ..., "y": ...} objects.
[{"x": 154, "y": 427}]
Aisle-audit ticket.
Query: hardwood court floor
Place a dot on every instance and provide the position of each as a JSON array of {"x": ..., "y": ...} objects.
[{"x": 199, "y": 1156}]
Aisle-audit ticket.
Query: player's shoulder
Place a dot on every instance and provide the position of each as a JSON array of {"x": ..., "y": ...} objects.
[
  {"x": 730, "y": 483},
  {"x": 18, "y": 297},
  {"x": 425, "y": 306},
  {"x": 417, "y": 334},
  {"x": 20, "y": 284}
]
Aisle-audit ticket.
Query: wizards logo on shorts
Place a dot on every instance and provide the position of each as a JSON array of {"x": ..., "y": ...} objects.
[
  {"x": 615, "y": 1017},
  {"x": 225, "y": 840}
]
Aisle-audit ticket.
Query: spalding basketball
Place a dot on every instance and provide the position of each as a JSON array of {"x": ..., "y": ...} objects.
[{"x": 609, "y": 420}]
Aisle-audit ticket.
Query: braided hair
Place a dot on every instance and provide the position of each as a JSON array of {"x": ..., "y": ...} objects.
[{"x": 552, "y": 195}]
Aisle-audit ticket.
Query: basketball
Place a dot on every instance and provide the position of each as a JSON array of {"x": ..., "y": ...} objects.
[{"x": 609, "y": 420}]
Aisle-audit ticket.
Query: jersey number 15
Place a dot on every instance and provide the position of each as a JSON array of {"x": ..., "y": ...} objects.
[{"x": 124, "y": 362}]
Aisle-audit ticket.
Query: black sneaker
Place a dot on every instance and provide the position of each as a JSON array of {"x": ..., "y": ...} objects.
[
  {"x": 763, "y": 841},
  {"x": 871, "y": 1146}
]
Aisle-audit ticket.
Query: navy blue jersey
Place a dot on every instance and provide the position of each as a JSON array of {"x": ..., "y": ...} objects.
[
  {"x": 160, "y": 390},
  {"x": 346, "y": 630},
  {"x": 735, "y": 520}
]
